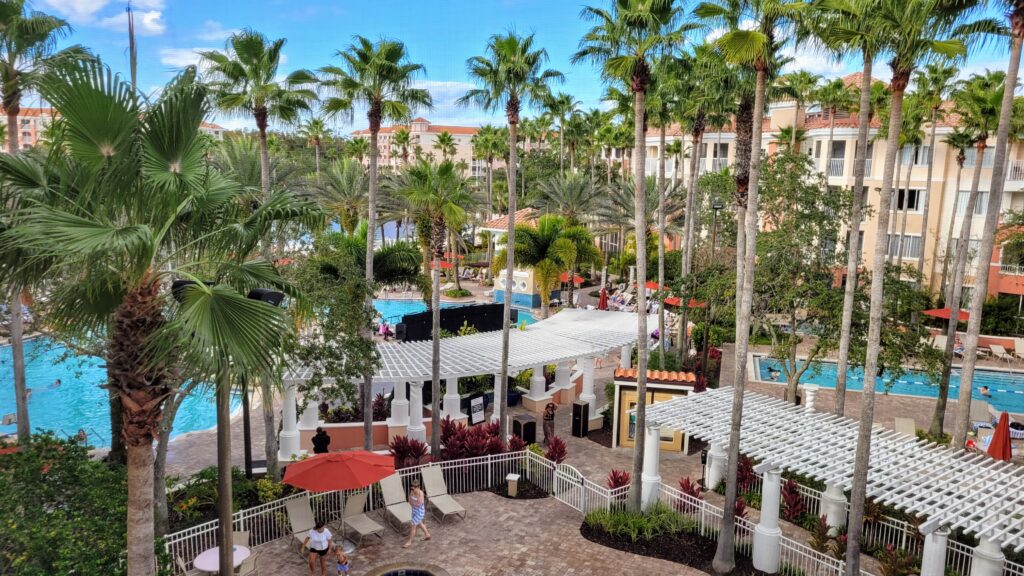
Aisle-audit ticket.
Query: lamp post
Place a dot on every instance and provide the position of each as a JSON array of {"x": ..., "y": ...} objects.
[{"x": 274, "y": 299}]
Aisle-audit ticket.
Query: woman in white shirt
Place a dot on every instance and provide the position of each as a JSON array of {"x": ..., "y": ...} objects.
[{"x": 319, "y": 543}]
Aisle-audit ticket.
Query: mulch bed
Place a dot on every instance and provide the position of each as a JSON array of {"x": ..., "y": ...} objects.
[
  {"x": 602, "y": 437},
  {"x": 526, "y": 491},
  {"x": 691, "y": 550}
]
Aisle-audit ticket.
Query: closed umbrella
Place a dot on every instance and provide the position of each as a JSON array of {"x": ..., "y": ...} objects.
[
  {"x": 999, "y": 448},
  {"x": 602, "y": 301}
]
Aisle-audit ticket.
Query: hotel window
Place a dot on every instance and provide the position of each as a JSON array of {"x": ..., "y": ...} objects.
[
  {"x": 971, "y": 155},
  {"x": 972, "y": 249},
  {"x": 911, "y": 246},
  {"x": 980, "y": 204},
  {"x": 909, "y": 200}
]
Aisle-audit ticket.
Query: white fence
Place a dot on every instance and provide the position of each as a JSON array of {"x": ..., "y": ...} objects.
[
  {"x": 1016, "y": 171},
  {"x": 835, "y": 167}
]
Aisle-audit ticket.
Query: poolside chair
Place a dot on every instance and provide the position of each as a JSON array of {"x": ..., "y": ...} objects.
[
  {"x": 939, "y": 342},
  {"x": 248, "y": 567},
  {"x": 1000, "y": 353},
  {"x": 300, "y": 516},
  {"x": 437, "y": 494},
  {"x": 906, "y": 426},
  {"x": 981, "y": 415},
  {"x": 357, "y": 521},
  {"x": 1018, "y": 347},
  {"x": 397, "y": 511},
  {"x": 240, "y": 538},
  {"x": 183, "y": 568}
]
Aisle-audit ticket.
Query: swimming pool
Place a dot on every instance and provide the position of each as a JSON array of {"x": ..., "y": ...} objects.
[
  {"x": 393, "y": 310},
  {"x": 1006, "y": 388},
  {"x": 79, "y": 403}
]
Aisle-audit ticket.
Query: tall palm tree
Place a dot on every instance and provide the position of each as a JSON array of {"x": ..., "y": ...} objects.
[
  {"x": 800, "y": 86},
  {"x": 445, "y": 144},
  {"x": 912, "y": 30},
  {"x": 911, "y": 138},
  {"x": 28, "y": 45},
  {"x": 510, "y": 75},
  {"x": 124, "y": 206},
  {"x": 756, "y": 49},
  {"x": 437, "y": 193},
  {"x": 377, "y": 76},
  {"x": 675, "y": 150},
  {"x": 833, "y": 96},
  {"x": 489, "y": 144},
  {"x": 575, "y": 198},
  {"x": 561, "y": 106},
  {"x": 357, "y": 148},
  {"x": 961, "y": 140},
  {"x": 402, "y": 139},
  {"x": 343, "y": 192},
  {"x": 315, "y": 131},
  {"x": 624, "y": 41}
]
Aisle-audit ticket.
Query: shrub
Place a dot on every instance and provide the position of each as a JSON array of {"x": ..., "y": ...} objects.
[
  {"x": 268, "y": 490},
  {"x": 894, "y": 561},
  {"x": 448, "y": 429},
  {"x": 407, "y": 451},
  {"x": 741, "y": 507},
  {"x": 819, "y": 538},
  {"x": 838, "y": 546},
  {"x": 617, "y": 479},
  {"x": 556, "y": 451},
  {"x": 535, "y": 448},
  {"x": 793, "y": 506},
  {"x": 658, "y": 520},
  {"x": 458, "y": 293},
  {"x": 692, "y": 489},
  {"x": 516, "y": 444},
  {"x": 745, "y": 476}
]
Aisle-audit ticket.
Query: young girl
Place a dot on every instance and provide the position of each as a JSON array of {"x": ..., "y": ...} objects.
[
  {"x": 342, "y": 561},
  {"x": 418, "y": 502}
]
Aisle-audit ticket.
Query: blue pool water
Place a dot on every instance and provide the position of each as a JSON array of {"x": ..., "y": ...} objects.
[
  {"x": 393, "y": 310},
  {"x": 79, "y": 403},
  {"x": 1006, "y": 388}
]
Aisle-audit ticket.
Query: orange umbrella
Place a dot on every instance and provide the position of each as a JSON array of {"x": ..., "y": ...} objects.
[
  {"x": 445, "y": 265},
  {"x": 339, "y": 471},
  {"x": 675, "y": 301},
  {"x": 945, "y": 313},
  {"x": 1000, "y": 446},
  {"x": 576, "y": 278}
]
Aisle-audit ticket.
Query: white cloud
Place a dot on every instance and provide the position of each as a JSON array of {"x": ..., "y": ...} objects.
[
  {"x": 78, "y": 11},
  {"x": 111, "y": 15},
  {"x": 812, "y": 59},
  {"x": 180, "y": 57},
  {"x": 147, "y": 23},
  {"x": 213, "y": 31}
]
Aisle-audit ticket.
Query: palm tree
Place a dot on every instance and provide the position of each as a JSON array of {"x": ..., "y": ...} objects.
[
  {"x": 445, "y": 144},
  {"x": 800, "y": 86},
  {"x": 402, "y": 139},
  {"x": 437, "y": 193},
  {"x": 510, "y": 76},
  {"x": 791, "y": 138},
  {"x": 960, "y": 139},
  {"x": 912, "y": 30},
  {"x": 357, "y": 148},
  {"x": 315, "y": 131},
  {"x": 562, "y": 107},
  {"x": 489, "y": 144},
  {"x": 28, "y": 43},
  {"x": 675, "y": 150},
  {"x": 343, "y": 193},
  {"x": 623, "y": 42},
  {"x": 166, "y": 215},
  {"x": 833, "y": 96},
  {"x": 377, "y": 76},
  {"x": 911, "y": 138},
  {"x": 575, "y": 198}
]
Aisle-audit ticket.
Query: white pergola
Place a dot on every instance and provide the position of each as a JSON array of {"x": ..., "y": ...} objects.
[
  {"x": 950, "y": 488},
  {"x": 572, "y": 335}
]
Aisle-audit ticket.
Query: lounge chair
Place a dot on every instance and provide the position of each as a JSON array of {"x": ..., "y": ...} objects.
[
  {"x": 437, "y": 494},
  {"x": 447, "y": 286},
  {"x": 981, "y": 415},
  {"x": 1000, "y": 353},
  {"x": 397, "y": 511},
  {"x": 240, "y": 538},
  {"x": 357, "y": 521},
  {"x": 939, "y": 342},
  {"x": 248, "y": 567},
  {"x": 1018, "y": 347},
  {"x": 300, "y": 517},
  {"x": 906, "y": 426},
  {"x": 182, "y": 567}
]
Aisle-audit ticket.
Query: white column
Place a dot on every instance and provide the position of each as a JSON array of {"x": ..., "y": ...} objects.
[
  {"x": 310, "y": 417},
  {"x": 767, "y": 536},
  {"x": 632, "y": 277},
  {"x": 833, "y": 506},
  {"x": 289, "y": 438},
  {"x": 716, "y": 465},
  {"x": 537, "y": 384},
  {"x": 416, "y": 429},
  {"x": 987, "y": 559},
  {"x": 562, "y": 373},
  {"x": 626, "y": 357},
  {"x": 810, "y": 391},
  {"x": 587, "y": 395},
  {"x": 399, "y": 407},
  {"x": 933, "y": 558},
  {"x": 650, "y": 486},
  {"x": 496, "y": 404},
  {"x": 451, "y": 399}
]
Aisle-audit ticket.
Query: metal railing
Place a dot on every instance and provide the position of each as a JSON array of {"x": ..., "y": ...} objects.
[
  {"x": 717, "y": 164},
  {"x": 1016, "y": 171},
  {"x": 835, "y": 167},
  {"x": 1011, "y": 269},
  {"x": 867, "y": 168}
]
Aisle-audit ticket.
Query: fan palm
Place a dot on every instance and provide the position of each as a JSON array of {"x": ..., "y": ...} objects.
[
  {"x": 800, "y": 86},
  {"x": 343, "y": 193},
  {"x": 510, "y": 75},
  {"x": 125, "y": 205},
  {"x": 561, "y": 106},
  {"x": 791, "y": 138},
  {"x": 437, "y": 193},
  {"x": 573, "y": 197},
  {"x": 547, "y": 250},
  {"x": 489, "y": 143},
  {"x": 377, "y": 76},
  {"x": 833, "y": 96},
  {"x": 357, "y": 148},
  {"x": 402, "y": 139},
  {"x": 445, "y": 144},
  {"x": 315, "y": 131}
]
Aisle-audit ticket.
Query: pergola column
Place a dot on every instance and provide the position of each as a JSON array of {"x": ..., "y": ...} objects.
[
  {"x": 288, "y": 440},
  {"x": 833, "y": 507},
  {"x": 416, "y": 428},
  {"x": 810, "y": 390},
  {"x": 650, "y": 487},
  {"x": 587, "y": 395},
  {"x": 716, "y": 465},
  {"x": 537, "y": 384},
  {"x": 933, "y": 557},
  {"x": 399, "y": 407},
  {"x": 767, "y": 535},
  {"x": 562, "y": 373},
  {"x": 626, "y": 357},
  {"x": 310, "y": 417},
  {"x": 988, "y": 559},
  {"x": 496, "y": 404},
  {"x": 451, "y": 399}
]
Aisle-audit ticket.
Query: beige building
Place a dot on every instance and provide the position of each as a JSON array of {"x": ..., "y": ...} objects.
[
  {"x": 947, "y": 204},
  {"x": 423, "y": 137}
]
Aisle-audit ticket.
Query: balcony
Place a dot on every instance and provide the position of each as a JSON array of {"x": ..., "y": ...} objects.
[
  {"x": 718, "y": 164},
  {"x": 1011, "y": 269},
  {"x": 835, "y": 167},
  {"x": 1016, "y": 171}
]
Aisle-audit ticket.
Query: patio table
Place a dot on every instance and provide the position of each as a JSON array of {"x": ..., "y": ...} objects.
[{"x": 209, "y": 560}]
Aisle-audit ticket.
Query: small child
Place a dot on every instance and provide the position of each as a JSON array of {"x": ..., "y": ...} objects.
[{"x": 342, "y": 561}]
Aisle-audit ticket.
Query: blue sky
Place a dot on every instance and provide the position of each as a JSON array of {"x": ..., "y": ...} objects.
[{"x": 440, "y": 34}]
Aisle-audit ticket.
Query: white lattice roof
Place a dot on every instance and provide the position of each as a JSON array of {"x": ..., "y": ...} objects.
[
  {"x": 984, "y": 497},
  {"x": 568, "y": 335}
]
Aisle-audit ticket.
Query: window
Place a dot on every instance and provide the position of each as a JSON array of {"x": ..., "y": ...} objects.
[
  {"x": 909, "y": 200},
  {"x": 980, "y": 204},
  {"x": 971, "y": 155},
  {"x": 917, "y": 155},
  {"x": 817, "y": 149},
  {"x": 720, "y": 151},
  {"x": 911, "y": 246},
  {"x": 972, "y": 249},
  {"x": 828, "y": 249}
]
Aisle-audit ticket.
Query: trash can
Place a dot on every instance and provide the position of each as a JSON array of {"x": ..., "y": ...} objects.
[{"x": 525, "y": 426}]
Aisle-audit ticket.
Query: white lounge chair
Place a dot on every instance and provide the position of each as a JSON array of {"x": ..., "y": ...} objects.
[
  {"x": 1000, "y": 353},
  {"x": 248, "y": 567},
  {"x": 437, "y": 494},
  {"x": 183, "y": 568},
  {"x": 906, "y": 426},
  {"x": 355, "y": 519},
  {"x": 981, "y": 415},
  {"x": 300, "y": 517},
  {"x": 1018, "y": 347},
  {"x": 939, "y": 342},
  {"x": 397, "y": 511}
]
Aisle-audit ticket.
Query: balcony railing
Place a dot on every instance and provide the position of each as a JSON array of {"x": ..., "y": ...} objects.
[
  {"x": 835, "y": 167},
  {"x": 867, "y": 168},
  {"x": 717, "y": 164},
  {"x": 1011, "y": 269},
  {"x": 1016, "y": 171}
]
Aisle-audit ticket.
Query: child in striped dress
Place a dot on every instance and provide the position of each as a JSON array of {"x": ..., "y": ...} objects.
[{"x": 418, "y": 503}]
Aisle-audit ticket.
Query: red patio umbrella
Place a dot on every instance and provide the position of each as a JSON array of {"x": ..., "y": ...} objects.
[
  {"x": 999, "y": 448},
  {"x": 602, "y": 301},
  {"x": 576, "y": 278},
  {"x": 445, "y": 265},
  {"x": 652, "y": 285},
  {"x": 339, "y": 471},
  {"x": 675, "y": 301},
  {"x": 945, "y": 313}
]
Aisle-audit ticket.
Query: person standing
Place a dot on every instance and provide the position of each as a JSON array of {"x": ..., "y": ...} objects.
[
  {"x": 321, "y": 440},
  {"x": 319, "y": 544},
  {"x": 549, "y": 421},
  {"x": 418, "y": 503}
]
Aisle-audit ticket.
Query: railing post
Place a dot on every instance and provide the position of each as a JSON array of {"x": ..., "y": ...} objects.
[
  {"x": 833, "y": 507},
  {"x": 650, "y": 478},
  {"x": 767, "y": 535},
  {"x": 987, "y": 559},
  {"x": 933, "y": 557}
]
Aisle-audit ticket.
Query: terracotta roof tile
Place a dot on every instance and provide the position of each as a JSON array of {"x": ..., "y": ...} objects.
[
  {"x": 526, "y": 216},
  {"x": 659, "y": 376}
]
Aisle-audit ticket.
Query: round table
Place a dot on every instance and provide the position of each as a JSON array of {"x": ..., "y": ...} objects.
[{"x": 209, "y": 560}]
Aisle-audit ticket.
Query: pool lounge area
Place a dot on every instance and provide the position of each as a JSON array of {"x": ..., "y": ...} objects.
[
  {"x": 392, "y": 309},
  {"x": 1006, "y": 387}
]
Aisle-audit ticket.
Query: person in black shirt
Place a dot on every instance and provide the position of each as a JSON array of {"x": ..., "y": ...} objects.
[
  {"x": 549, "y": 421},
  {"x": 321, "y": 441}
]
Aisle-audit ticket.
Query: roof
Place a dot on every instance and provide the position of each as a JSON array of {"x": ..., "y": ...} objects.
[
  {"x": 210, "y": 126},
  {"x": 32, "y": 112},
  {"x": 656, "y": 376},
  {"x": 951, "y": 488},
  {"x": 569, "y": 335},
  {"x": 431, "y": 128},
  {"x": 525, "y": 216}
]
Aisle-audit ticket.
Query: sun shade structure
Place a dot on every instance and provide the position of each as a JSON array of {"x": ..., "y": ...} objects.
[
  {"x": 945, "y": 313},
  {"x": 570, "y": 334},
  {"x": 954, "y": 489}
]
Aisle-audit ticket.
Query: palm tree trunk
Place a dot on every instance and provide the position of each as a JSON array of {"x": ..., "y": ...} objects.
[
  {"x": 689, "y": 235},
  {"x": 927, "y": 206},
  {"x": 160, "y": 512},
  {"x": 903, "y": 224},
  {"x": 949, "y": 232},
  {"x": 18, "y": 364},
  {"x": 796, "y": 124},
  {"x": 867, "y": 415},
  {"x": 366, "y": 397},
  {"x": 640, "y": 230},
  {"x": 224, "y": 497},
  {"x": 140, "y": 555},
  {"x": 316, "y": 155},
  {"x": 512, "y": 111},
  {"x": 894, "y": 217},
  {"x": 828, "y": 144},
  {"x": 662, "y": 337},
  {"x": 270, "y": 444},
  {"x": 724, "y": 560},
  {"x": 435, "y": 359},
  {"x": 853, "y": 243},
  {"x": 487, "y": 214},
  {"x": 561, "y": 149}
]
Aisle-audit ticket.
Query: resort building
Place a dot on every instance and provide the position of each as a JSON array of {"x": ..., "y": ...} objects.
[
  {"x": 423, "y": 137},
  {"x": 947, "y": 202}
]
